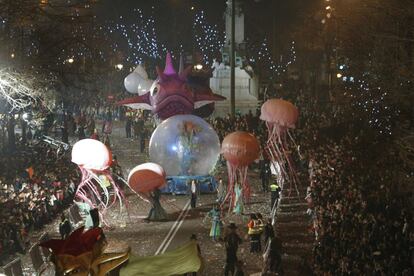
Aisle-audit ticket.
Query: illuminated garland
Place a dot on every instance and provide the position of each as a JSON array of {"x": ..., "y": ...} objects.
[
  {"x": 261, "y": 56},
  {"x": 140, "y": 37},
  {"x": 208, "y": 38}
]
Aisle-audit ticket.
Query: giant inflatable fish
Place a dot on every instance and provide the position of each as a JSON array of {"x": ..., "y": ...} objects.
[{"x": 173, "y": 93}]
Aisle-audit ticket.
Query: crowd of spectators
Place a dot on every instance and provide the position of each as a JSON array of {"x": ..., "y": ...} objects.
[
  {"x": 361, "y": 217},
  {"x": 361, "y": 222},
  {"x": 36, "y": 184}
]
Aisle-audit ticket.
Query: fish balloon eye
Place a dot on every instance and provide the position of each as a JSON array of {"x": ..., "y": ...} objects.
[{"x": 154, "y": 91}]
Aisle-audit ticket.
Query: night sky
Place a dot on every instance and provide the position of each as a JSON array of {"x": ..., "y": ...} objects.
[{"x": 270, "y": 18}]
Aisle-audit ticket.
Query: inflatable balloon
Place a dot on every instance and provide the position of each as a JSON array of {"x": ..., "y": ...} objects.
[
  {"x": 239, "y": 149},
  {"x": 140, "y": 70},
  {"x": 280, "y": 116},
  {"x": 172, "y": 93},
  {"x": 131, "y": 82},
  {"x": 185, "y": 145},
  {"x": 91, "y": 154},
  {"x": 279, "y": 112},
  {"x": 146, "y": 177},
  {"x": 135, "y": 83},
  {"x": 94, "y": 159}
]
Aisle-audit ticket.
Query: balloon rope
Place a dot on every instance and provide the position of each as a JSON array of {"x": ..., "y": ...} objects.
[
  {"x": 83, "y": 187},
  {"x": 81, "y": 195},
  {"x": 117, "y": 192},
  {"x": 85, "y": 177},
  {"x": 140, "y": 196},
  {"x": 121, "y": 191},
  {"x": 89, "y": 191},
  {"x": 292, "y": 175},
  {"x": 230, "y": 187},
  {"x": 281, "y": 162},
  {"x": 104, "y": 189},
  {"x": 166, "y": 202},
  {"x": 284, "y": 156},
  {"x": 278, "y": 152},
  {"x": 245, "y": 183},
  {"x": 275, "y": 153},
  {"x": 294, "y": 142}
]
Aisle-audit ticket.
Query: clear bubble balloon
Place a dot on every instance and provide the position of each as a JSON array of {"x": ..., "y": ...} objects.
[{"x": 185, "y": 145}]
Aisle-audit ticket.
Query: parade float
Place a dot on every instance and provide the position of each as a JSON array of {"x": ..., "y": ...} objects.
[{"x": 184, "y": 144}]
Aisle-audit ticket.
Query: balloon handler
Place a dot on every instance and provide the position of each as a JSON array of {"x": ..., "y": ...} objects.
[{"x": 157, "y": 212}]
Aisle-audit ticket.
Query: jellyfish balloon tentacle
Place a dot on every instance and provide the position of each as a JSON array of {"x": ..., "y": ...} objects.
[
  {"x": 239, "y": 149},
  {"x": 94, "y": 160},
  {"x": 281, "y": 116}
]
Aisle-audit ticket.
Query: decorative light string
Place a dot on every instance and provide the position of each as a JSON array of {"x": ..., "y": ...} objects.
[{"x": 208, "y": 38}]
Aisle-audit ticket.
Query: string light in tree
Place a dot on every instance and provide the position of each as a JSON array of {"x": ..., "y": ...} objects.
[
  {"x": 208, "y": 38},
  {"x": 261, "y": 56},
  {"x": 140, "y": 37},
  {"x": 370, "y": 100}
]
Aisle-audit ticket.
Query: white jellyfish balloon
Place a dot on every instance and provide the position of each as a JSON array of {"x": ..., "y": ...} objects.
[{"x": 185, "y": 145}]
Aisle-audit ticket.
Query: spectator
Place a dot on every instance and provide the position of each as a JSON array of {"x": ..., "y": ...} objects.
[
  {"x": 64, "y": 227},
  {"x": 232, "y": 242}
]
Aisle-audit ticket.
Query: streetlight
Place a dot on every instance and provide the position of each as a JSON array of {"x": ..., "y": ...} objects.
[
  {"x": 12, "y": 55},
  {"x": 70, "y": 60},
  {"x": 198, "y": 67},
  {"x": 119, "y": 66},
  {"x": 339, "y": 75}
]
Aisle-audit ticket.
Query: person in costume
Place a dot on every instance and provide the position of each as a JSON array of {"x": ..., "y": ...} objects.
[
  {"x": 216, "y": 224},
  {"x": 238, "y": 201}
]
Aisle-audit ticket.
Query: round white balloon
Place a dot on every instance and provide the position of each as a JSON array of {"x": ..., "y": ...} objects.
[
  {"x": 131, "y": 82},
  {"x": 141, "y": 71},
  {"x": 134, "y": 83}
]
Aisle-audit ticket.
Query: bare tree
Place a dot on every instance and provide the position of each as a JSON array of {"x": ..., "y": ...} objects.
[{"x": 20, "y": 90}]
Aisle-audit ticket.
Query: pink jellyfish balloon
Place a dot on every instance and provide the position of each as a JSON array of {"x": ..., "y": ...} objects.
[
  {"x": 94, "y": 159},
  {"x": 240, "y": 149},
  {"x": 280, "y": 116}
]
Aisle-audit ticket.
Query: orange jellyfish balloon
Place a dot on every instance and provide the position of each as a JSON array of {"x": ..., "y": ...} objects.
[{"x": 239, "y": 149}]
